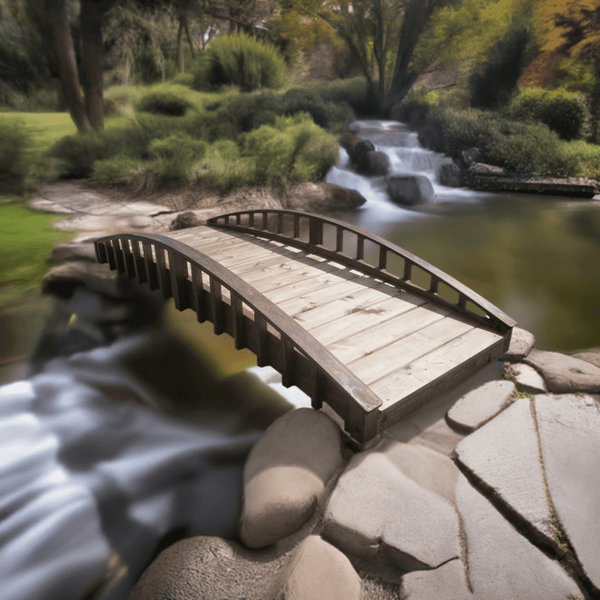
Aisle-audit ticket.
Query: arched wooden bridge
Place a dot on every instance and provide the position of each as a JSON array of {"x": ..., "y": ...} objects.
[{"x": 351, "y": 319}]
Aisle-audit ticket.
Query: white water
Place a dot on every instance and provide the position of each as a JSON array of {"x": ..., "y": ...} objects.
[{"x": 406, "y": 156}]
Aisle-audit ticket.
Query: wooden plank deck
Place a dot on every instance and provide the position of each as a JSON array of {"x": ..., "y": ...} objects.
[{"x": 395, "y": 344}]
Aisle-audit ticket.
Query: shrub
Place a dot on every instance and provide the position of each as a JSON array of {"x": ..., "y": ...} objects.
[
  {"x": 564, "y": 112},
  {"x": 161, "y": 102},
  {"x": 242, "y": 60},
  {"x": 355, "y": 92},
  {"x": 174, "y": 155},
  {"x": 186, "y": 79},
  {"x": 323, "y": 112},
  {"x": 14, "y": 160},
  {"x": 115, "y": 169}
]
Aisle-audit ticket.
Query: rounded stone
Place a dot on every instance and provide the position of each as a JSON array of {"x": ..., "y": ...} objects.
[
  {"x": 286, "y": 474},
  {"x": 410, "y": 189}
]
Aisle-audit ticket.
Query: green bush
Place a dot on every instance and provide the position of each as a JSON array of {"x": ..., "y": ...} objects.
[
  {"x": 566, "y": 113},
  {"x": 114, "y": 169},
  {"x": 186, "y": 79},
  {"x": 323, "y": 112},
  {"x": 241, "y": 60},
  {"x": 174, "y": 155},
  {"x": 14, "y": 158},
  {"x": 160, "y": 102}
]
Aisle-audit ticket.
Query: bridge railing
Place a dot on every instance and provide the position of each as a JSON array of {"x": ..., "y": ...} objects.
[
  {"x": 196, "y": 281},
  {"x": 367, "y": 253}
]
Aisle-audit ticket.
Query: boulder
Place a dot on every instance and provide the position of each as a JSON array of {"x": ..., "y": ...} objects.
[
  {"x": 373, "y": 164},
  {"x": 483, "y": 170},
  {"x": 565, "y": 374},
  {"x": 470, "y": 156},
  {"x": 210, "y": 568},
  {"x": 72, "y": 252},
  {"x": 447, "y": 581},
  {"x": 591, "y": 356},
  {"x": 521, "y": 343},
  {"x": 410, "y": 189},
  {"x": 359, "y": 150},
  {"x": 321, "y": 196},
  {"x": 62, "y": 280},
  {"x": 286, "y": 474},
  {"x": 184, "y": 221},
  {"x": 450, "y": 175},
  {"x": 320, "y": 571},
  {"x": 480, "y": 405}
]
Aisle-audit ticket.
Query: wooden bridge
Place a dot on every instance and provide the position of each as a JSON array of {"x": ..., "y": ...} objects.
[{"x": 349, "y": 318}]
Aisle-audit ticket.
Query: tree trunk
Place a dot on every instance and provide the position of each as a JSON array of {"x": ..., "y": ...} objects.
[
  {"x": 92, "y": 50},
  {"x": 189, "y": 37},
  {"x": 57, "y": 14},
  {"x": 180, "y": 55}
]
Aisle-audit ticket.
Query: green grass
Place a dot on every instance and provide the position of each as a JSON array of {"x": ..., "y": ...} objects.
[{"x": 26, "y": 240}]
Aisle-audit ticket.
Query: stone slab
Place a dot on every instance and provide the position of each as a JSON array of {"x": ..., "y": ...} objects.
[
  {"x": 503, "y": 564},
  {"x": 448, "y": 581},
  {"x": 521, "y": 343},
  {"x": 286, "y": 474},
  {"x": 591, "y": 356},
  {"x": 527, "y": 377},
  {"x": 565, "y": 374},
  {"x": 319, "y": 571},
  {"x": 480, "y": 405},
  {"x": 504, "y": 457},
  {"x": 569, "y": 428},
  {"x": 377, "y": 508}
]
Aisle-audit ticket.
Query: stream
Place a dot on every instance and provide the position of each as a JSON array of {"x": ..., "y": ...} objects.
[{"x": 536, "y": 257}]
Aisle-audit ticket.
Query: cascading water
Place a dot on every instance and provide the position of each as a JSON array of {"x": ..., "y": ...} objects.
[{"x": 406, "y": 156}]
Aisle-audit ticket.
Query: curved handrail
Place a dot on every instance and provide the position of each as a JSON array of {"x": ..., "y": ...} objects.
[
  {"x": 494, "y": 316},
  {"x": 175, "y": 282}
]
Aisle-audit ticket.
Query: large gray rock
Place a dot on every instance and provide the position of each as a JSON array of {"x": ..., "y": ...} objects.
[
  {"x": 450, "y": 175},
  {"x": 526, "y": 377},
  {"x": 410, "y": 189},
  {"x": 521, "y": 343},
  {"x": 72, "y": 252},
  {"x": 565, "y": 374},
  {"x": 321, "y": 196},
  {"x": 394, "y": 501},
  {"x": 373, "y": 164},
  {"x": 286, "y": 474},
  {"x": 319, "y": 571},
  {"x": 211, "y": 568},
  {"x": 480, "y": 405},
  {"x": 569, "y": 428},
  {"x": 448, "y": 581},
  {"x": 62, "y": 280},
  {"x": 504, "y": 458},
  {"x": 503, "y": 564},
  {"x": 481, "y": 169},
  {"x": 359, "y": 150},
  {"x": 470, "y": 156}
]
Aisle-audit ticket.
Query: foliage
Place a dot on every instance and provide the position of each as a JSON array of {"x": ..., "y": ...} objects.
[
  {"x": 564, "y": 112},
  {"x": 242, "y": 60},
  {"x": 175, "y": 154},
  {"x": 494, "y": 83},
  {"x": 114, "y": 169},
  {"x": 14, "y": 160},
  {"x": 163, "y": 103},
  {"x": 323, "y": 113}
]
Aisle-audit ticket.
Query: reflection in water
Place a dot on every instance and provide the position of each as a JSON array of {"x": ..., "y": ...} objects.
[{"x": 536, "y": 257}]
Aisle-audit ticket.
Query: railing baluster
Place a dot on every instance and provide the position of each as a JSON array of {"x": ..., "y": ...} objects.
[
  {"x": 279, "y": 222},
  {"x": 462, "y": 300},
  {"x": 163, "y": 276},
  {"x": 138, "y": 262},
  {"x": 251, "y": 219},
  {"x": 360, "y": 247},
  {"x": 288, "y": 360},
  {"x": 382, "y": 257},
  {"x": 315, "y": 232},
  {"x": 407, "y": 269},
  {"x": 117, "y": 258},
  {"x": 151, "y": 268},
  {"x": 237, "y": 320},
  {"x": 198, "y": 294},
  {"x": 101, "y": 253},
  {"x": 433, "y": 286},
  {"x": 216, "y": 306},
  {"x": 178, "y": 269},
  {"x": 339, "y": 239},
  {"x": 261, "y": 340},
  {"x": 129, "y": 262},
  {"x": 316, "y": 387},
  {"x": 296, "y": 226}
]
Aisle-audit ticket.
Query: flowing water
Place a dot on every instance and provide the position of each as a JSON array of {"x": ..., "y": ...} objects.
[{"x": 536, "y": 257}]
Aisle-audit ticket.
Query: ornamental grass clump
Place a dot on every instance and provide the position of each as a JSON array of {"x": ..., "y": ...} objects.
[
  {"x": 241, "y": 60},
  {"x": 14, "y": 156},
  {"x": 174, "y": 155}
]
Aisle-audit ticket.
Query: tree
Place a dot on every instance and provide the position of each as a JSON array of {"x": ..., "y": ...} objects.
[{"x": 580, "y": 32}]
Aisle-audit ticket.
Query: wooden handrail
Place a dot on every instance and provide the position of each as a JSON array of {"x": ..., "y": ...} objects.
[
  {"x": 216, "y": 294},
  {"x": 494, "y": 317}
]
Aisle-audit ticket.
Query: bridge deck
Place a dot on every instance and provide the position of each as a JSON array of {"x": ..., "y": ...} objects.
[{"x": 403, "y": 345}]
